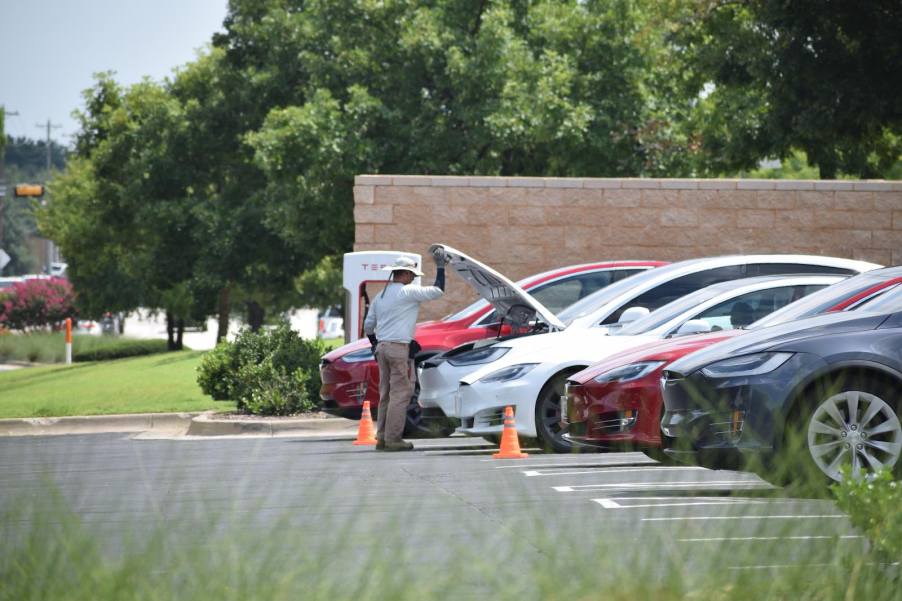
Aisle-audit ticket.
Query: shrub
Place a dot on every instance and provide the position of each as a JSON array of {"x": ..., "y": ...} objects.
[
  {"x": 92, "y": 348},
  {"x": 37, "y": 303},
  {"x": 873, "y": 507},
  {"x": 266, "y": 373},
  {"x": 214, "y": 374}
]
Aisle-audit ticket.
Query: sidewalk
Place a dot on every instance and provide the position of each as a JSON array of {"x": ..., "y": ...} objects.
[{"x": 180, "y": 425}]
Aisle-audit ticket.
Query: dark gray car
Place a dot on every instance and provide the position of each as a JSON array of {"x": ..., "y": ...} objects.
[{"x": 834, "y": 382}]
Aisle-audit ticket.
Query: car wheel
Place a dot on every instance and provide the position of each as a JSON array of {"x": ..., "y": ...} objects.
[
  {"x": 853, "y": 426},
  {"x": 548, "y": 417},
  {"x": 855, "y": 429}
]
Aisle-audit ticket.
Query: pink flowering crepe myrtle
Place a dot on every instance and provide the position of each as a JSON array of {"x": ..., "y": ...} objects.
[{"x": 37, "y": 304}]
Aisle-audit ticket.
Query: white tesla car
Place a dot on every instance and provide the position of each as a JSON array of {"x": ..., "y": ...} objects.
[{"x": 474, "y": 382}]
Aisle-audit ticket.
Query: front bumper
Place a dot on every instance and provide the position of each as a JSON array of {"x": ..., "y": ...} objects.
[
  {"x": 616, "y": 413},
  {"x": 345, "y": 386},
  {"x": 480, "y": 407},
  {"x": 438, "y": 386},
  {"x": 716, "y": 418}
]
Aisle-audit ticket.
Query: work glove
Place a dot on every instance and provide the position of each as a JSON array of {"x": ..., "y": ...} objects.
[{"x": 440, "y": 257}]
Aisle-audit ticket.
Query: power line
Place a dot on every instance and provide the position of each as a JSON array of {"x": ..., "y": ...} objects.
[
  {"x": 51, "y": 247},
  {"x": 49, "y": 126}
]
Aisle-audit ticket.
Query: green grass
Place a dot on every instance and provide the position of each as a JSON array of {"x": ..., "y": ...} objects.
[
  {"x": 50, "y": 347},
  {"x": 153, "y": 384},
  {"x": 333, "y": 343}
]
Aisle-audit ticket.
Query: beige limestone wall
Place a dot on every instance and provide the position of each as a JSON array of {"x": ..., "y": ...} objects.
[{"x": 521, "y": 226}]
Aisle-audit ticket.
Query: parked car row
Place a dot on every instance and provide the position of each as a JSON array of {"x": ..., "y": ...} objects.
[
  {"x": 580, "y": 354},
  {"x": 350, "y": 375}
]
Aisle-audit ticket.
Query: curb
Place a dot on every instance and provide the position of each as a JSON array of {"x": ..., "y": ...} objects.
[
  {"x": 94, "y": 424},
  {"x": 206, "y": 424},
  {"x": 186, "y": 424}
]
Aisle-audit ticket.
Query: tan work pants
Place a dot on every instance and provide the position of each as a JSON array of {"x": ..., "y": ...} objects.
[{"x": 396, "y": 383}]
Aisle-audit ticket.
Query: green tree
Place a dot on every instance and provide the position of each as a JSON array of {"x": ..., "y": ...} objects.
[
  {"x": 322, "y": 285},
  {"x": 25, "y": 162},
  {"x": 121, "y": 213},
  {"x": 30, "y": 157},
  {"x": 240, "y": 256},
  {"x": 821, "y": 77},
  {"x": 459, "y": 87}
]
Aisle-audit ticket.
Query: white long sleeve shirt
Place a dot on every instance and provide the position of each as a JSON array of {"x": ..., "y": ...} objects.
[{"x": 393, "y": 313}]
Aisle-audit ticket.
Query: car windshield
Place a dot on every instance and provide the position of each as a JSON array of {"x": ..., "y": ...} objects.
[
  {"x": 820, "y": 301},
  {"x": 669, "y": 311},
  {"x": 888, "y": 302},
  {"x": 598, "y": 299}
]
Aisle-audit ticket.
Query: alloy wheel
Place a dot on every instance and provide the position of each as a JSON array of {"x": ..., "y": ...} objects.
[
  {"x": 857, "y": 429},
  {"x": 548, "y": 418}
]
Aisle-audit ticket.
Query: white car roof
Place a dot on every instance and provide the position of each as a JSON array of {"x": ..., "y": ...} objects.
[{"x": 594, "y": 308}]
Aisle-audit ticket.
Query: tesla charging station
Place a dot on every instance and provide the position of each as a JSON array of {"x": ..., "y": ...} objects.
[{"x": 359, "y": 270}]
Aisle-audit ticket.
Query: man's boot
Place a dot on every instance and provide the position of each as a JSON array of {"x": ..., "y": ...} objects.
[{"x": 400, "y": 445}]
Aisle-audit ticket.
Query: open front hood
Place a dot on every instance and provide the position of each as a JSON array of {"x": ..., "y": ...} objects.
[{"x": 504, "y": 295}]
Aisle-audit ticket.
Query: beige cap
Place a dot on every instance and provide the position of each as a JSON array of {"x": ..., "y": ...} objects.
[{"x": 404, "y": 264}]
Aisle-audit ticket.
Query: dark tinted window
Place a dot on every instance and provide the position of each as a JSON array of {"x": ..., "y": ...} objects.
[
  {"x": 793, "y": 268},
  {"x": 741, "y": 311},
  {"x": 560, "y": 294},
  {"x": 664, "y": 293}
]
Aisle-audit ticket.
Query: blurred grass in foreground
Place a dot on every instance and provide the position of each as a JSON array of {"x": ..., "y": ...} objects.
[{"x": 46, "y": 553}]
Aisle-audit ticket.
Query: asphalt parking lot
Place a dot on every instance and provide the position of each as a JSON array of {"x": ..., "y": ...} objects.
[{"x": 445, "y": 501}]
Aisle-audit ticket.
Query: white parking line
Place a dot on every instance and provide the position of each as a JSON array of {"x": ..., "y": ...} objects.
[
  {"x": 771, "y": 538},
  {"x": 621, "y": 458},
  {"x": 782, "y": 566},
  {"x": 612, "y": 470},
  {"x": 461, "y": 451},
  {"x": 614, "y": 503},
  {"x": 695, "y": 485},
  {"x": 743, "y": 517}
]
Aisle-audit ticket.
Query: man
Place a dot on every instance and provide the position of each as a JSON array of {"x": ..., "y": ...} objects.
[{"x": 390, "y": 327}]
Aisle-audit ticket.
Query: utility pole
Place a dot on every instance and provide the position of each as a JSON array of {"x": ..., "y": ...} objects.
[
  {"x": 50, "y": 246},
  {"x": 3, "y": 114}
]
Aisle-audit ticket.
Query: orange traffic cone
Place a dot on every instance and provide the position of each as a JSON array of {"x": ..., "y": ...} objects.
[
  {"x": 366, "y": 433},
  {"x": 510, "y": 444}
]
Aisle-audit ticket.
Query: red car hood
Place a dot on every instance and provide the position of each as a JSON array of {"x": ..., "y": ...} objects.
[{"x": 667, "y": 350}]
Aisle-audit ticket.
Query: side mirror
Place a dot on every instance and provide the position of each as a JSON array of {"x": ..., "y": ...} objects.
[
  {"x": 693, "y": 326},
  {"x": 633, "y": 314}
]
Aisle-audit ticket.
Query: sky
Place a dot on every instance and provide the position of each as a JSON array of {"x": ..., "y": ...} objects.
[{"x": 50, "y": 50}]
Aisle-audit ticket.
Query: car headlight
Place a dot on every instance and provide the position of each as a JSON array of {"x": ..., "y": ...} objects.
[
  {"x": 746, "y": 365},
  {"x": 364, "y": 354},
  {"x": 628, "y": 373},
  {"x": 508, "y": 373},
  {"x": 481, "y": 355}
]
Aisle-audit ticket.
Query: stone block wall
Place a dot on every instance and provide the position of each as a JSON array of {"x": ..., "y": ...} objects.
[{"x": 521, "y": 226}]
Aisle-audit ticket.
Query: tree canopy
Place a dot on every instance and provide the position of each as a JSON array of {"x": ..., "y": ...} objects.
[
  {"x": 821, "y": 77},
  {"x": 234, "y": 177}
]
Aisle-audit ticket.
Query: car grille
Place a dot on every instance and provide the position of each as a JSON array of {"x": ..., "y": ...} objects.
[{"x": 615, "y": 422}]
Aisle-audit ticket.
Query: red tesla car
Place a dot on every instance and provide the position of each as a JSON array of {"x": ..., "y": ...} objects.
[
  {"x": 618, "y": 402},
  {"x": 350, "y": 374}
]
